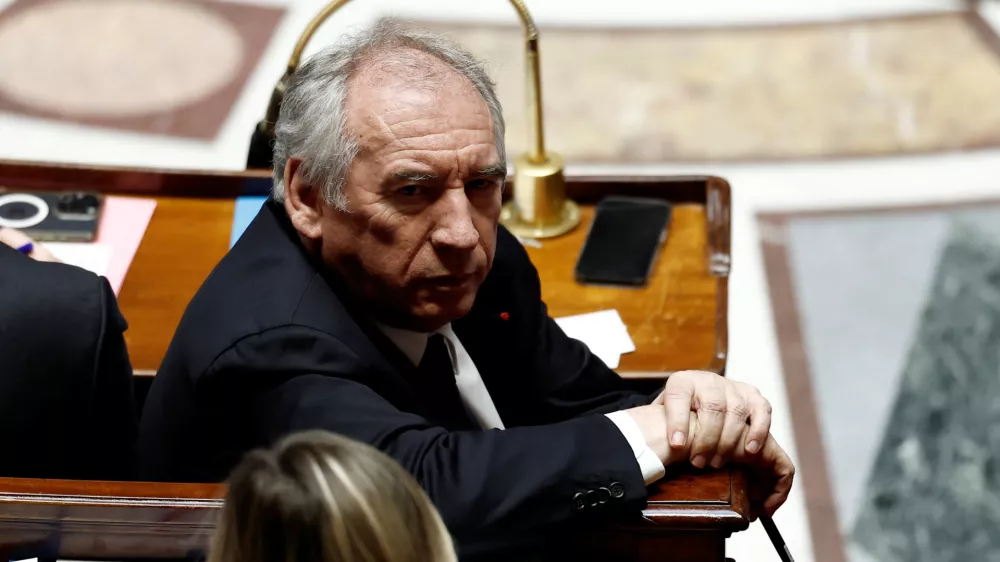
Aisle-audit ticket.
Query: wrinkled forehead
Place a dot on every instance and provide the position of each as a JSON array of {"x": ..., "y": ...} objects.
[{"x": 414, "y": 95}]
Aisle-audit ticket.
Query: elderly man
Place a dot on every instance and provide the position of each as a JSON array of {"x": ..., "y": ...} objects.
[{"x": 375, "y": 296}]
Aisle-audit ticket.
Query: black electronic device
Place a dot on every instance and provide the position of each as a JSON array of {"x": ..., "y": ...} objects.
[
  {"x": 624, "y": 241},
  {"x": 58, "y": 216}
]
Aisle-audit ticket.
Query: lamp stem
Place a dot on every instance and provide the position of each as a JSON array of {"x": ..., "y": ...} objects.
[{"x": 533, "y": 79}]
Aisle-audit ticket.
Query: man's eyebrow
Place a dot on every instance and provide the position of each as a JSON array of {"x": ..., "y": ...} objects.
[
  {"x": 411, "y": 175},
  {"x": 498, "y": 170}
]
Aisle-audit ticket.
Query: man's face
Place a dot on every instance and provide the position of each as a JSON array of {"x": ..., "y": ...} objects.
[{"x": 424, "y": 195}]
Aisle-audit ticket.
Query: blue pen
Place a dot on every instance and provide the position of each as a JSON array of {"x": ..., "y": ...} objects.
[{"x": 26, "y": 249}]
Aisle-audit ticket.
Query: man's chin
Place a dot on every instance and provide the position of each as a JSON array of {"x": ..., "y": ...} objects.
[{"x": 440, "y": 311}]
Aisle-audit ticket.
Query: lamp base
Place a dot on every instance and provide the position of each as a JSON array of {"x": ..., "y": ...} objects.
[
  {"x": 539, "y": 208},
  {"x": 569, "y": 218}
]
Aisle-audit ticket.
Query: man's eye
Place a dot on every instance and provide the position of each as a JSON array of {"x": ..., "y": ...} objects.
[
  {"x": 409, "y": 190},
  {"x": 480, "y": 184}
]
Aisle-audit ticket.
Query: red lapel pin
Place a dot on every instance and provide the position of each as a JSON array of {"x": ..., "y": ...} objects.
[{"x": 505, "y": 316}]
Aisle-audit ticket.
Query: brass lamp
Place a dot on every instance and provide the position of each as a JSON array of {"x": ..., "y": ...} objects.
[{"x": 539, "y": 208}]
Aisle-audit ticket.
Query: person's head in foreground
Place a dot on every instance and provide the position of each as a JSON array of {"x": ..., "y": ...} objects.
[
  {"x": 389, "y": 159},
  {"x": 320, "y": 497}
]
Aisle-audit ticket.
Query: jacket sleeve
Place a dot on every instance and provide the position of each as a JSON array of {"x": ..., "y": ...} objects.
[
  {"x": 113, "y": 415},
  {"x": 486, "y": 484}
]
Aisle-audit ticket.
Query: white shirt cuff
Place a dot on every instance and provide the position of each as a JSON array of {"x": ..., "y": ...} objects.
[{"x": 650, "y": 465}]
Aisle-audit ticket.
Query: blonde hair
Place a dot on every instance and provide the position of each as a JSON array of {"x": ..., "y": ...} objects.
[{"x": 320, "y": 497}]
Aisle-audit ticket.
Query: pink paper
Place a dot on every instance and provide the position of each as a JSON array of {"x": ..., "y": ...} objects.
[{"x": 123, "y": 224}]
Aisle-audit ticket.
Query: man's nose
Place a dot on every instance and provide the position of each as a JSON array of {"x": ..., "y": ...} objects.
[{"x": 455, "y": 229}]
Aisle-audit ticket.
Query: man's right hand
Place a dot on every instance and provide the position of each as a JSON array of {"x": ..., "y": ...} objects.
[{"x": 652, "y": 420}]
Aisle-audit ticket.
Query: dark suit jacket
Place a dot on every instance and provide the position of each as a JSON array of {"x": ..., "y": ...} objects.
[
  {"x": 66, "y": 404},
  {"x": 269, "y": 346}
]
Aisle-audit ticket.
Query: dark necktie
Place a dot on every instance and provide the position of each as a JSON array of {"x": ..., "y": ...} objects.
[{"x": 438, "y": 387}]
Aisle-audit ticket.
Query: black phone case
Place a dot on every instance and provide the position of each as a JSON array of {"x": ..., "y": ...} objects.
[
  {"x": 55, "y": 225},
  {"x": 586, "y": 270}
]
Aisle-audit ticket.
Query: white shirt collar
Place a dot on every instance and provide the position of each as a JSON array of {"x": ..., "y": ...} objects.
[
  {"x": 471, "y": 387},
  {"x": 413, "y": 344}
]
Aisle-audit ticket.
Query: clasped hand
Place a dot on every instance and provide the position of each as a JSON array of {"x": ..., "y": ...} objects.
[{"x": 706, "y": 419}]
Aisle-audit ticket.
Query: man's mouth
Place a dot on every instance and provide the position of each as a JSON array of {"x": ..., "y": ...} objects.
[{"x": 451, "y": 281}]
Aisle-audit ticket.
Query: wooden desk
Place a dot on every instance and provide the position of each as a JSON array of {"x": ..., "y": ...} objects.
[
  {"x": 687, "y": 520},
  {"x": 677, "y": 322}
]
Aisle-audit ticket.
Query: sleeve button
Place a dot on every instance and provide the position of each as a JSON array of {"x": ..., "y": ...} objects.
[
  {"x": 578, "y": 501},
  {"x": 594, "y": 498},
  {"x": 617, "y": 490}
]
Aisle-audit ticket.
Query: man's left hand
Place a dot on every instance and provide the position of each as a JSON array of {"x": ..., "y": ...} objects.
[
  {"x": 723, "y": 408},
  {"x": 770, "y": 475}
]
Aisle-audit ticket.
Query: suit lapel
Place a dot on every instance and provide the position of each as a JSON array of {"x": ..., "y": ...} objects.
[
  {"x": 386, "y": 356},
  {"x": 329, "y": 311}
]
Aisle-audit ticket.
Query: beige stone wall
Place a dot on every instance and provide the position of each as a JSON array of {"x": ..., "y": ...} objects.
[{"x": 889, "y": 86}]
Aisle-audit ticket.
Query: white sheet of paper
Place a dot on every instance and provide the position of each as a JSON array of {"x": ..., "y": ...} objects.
[
  {"x": 91, "y": 256},
  {"x": 603, "y": 332},
  {"x": 608, "y": 356}
]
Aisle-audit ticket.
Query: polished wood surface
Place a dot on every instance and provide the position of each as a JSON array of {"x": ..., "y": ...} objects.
[
  {"x": 17, "y": 175},
  {"x": 185, "y": 239},
  {"x": 671, "y": 321},
  {"x": 677, "y": 322},
  {"x": 106, "y": 520},
  {"x": 119, "y": 520}
]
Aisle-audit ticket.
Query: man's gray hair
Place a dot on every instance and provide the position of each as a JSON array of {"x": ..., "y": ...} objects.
[{"x": 312, "y": 121}]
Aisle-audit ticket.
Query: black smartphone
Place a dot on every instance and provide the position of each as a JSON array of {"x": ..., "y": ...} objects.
[
  {"x": 66, "y": 216},
  {"x": 623, "y": 241}
]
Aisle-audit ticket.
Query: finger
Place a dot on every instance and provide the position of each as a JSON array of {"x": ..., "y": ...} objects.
[
  {"x": 14, "y": 238},
  {"x": 779, "y": 496},
  {"x": 711, "y": 406},
  {"x": 41, "y": 253},
  {"x": 760, "y": 418},
  {"x": 683, "y": 454},
  {"x": 782, "y": 473},
  {"x": 17, "y": 239},
  {"x": 733, "y": 428},
  {"x": 678, "y": 398}
]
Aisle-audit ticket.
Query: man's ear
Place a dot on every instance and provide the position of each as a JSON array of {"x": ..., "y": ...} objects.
[{"x": 303, "y": 201}]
